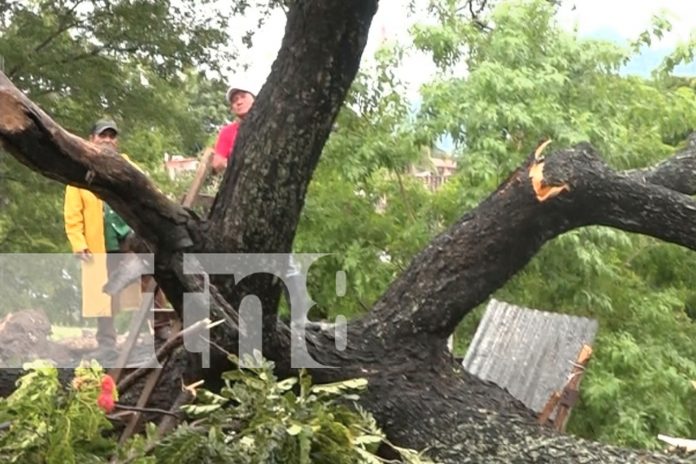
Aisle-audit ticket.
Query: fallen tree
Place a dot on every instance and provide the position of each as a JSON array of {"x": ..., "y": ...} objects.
[{"x": 419, "y": 395}]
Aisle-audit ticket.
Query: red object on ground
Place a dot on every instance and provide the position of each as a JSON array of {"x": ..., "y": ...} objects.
[{"x": 107, "y": 397}]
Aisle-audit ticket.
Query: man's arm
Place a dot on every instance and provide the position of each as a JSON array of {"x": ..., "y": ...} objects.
[
  {"x": 74, "y": 222},
  {"x": 223, "y": 147}
]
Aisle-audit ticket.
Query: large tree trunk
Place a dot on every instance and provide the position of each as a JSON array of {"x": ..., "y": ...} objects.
[{"x": 419, "y": 395}]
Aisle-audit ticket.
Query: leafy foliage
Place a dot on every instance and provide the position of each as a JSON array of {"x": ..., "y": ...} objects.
[
  {"x": 51, "y": 424},
  {"x": 254, "y": 419}
]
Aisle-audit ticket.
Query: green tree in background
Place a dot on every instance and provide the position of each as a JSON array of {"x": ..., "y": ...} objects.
[
  {"x": 132, "y": 61},
  {"x": 525, "y": 79}
]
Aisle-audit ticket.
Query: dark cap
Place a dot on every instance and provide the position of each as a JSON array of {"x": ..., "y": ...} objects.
[{"x": 102, "y": 125}]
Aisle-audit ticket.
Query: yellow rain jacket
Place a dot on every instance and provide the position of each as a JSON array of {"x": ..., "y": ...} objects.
[{"x": 84, "y": 226}]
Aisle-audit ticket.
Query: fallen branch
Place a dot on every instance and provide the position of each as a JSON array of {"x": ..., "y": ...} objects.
[
  {"x": 150, "y": 410},
  {"x": 169, "y": 422},
  {"x": 165, "y": 349}
]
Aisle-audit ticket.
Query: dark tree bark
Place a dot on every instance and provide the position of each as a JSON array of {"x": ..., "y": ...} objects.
[{"x": 419, "y": 395}]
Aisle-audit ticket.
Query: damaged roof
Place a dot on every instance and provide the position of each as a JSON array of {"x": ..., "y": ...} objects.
[{"x": 526, "y": 351}]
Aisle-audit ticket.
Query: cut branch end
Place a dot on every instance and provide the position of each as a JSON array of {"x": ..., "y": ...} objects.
[
  {"x": 12, "y": 117},
  {"x": 544, "y": 192}
]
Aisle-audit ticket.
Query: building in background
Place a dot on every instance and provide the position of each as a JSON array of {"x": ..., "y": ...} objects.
[
  {"x": 435, "y": 175},
  {"x": 175, "y": 165},
  {"x": 436, "y": 167}
]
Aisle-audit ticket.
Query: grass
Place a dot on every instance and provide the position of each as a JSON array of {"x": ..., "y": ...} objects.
[{"x": 61, "y": 332}]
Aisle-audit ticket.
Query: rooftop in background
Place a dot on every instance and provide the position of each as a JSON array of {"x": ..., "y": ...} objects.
[
  {"x": 527, "y": 351},
  {"x": 435, "y": 170}
]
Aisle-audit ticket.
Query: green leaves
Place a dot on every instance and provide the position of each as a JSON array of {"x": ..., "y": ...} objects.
[
  {"x": 254, "y": 419},
  {"x": 269, "y": 421},
  {"x": 53, "y": 424}
]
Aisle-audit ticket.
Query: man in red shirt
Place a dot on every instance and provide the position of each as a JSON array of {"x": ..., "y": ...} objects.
[{"x": 240, "y": 99}]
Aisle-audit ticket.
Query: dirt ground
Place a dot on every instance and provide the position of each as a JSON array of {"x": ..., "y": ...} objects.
[{"x": 27, "y": 335}]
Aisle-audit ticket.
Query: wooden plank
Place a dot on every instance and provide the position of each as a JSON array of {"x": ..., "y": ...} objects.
[
  {"x": 149, "y": 387},
  {"x": 566, "y": 397},
  {"x": 571, "y": 388},
  {"x": 204, "y": 168},
  {"x": 136, "y": 325},
  {"x": 549, "y": 407}
]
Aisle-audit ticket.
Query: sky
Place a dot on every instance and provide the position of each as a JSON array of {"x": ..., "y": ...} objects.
[
  {"x": 627, "y": 19},
  {"x": 623, "y": 20},
  {"x": 616, "y": 20},
  {"x": 619, "y": 21}
]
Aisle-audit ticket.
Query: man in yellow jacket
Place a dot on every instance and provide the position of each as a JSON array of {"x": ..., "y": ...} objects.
[{"x": 91, "y": 233}]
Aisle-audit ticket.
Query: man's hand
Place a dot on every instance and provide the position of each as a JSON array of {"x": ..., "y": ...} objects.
[
  {"x": 219, "y": 164},
  {"x": 84, "y": 255}
]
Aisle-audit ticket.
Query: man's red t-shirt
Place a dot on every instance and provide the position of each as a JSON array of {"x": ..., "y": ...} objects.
[{"x": 226, "y": 138}]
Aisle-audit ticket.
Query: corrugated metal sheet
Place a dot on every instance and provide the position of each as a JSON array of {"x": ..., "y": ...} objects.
[{"x": 526, "y": 351}]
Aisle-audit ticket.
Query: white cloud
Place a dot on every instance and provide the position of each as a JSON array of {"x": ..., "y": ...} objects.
[
  {"x": 628, "y": 18},
  {"x": 621, "y": 18}
]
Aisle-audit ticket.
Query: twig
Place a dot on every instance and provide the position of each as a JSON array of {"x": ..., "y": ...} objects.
[
  {"x": 151, "y": 410},
  {"x": 361, "y": 303},
  {"x": 133, "y": 377},
  {"x": 167, "y": 347},
  {"x": 404, "y": 197},
  {"x": 215, "y": 345},
  {"x": 168, "y": 423},
  {"x": 475, "y": 15}
]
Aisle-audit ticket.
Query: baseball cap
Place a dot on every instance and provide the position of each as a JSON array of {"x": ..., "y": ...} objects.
[
  {"x": 240, "y": 88},
  {"x": 102, "y": 125}
]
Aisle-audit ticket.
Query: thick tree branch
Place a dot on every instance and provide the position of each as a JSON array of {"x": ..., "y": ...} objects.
[
  {"x": 677, "y": 173},
  {"x": 475, "y": 257},
  {"x": 30, "y": 135},
  {"x": 258, "y": 207}
]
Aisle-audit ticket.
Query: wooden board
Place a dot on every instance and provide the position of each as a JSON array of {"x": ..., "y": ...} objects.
[
  {"x": 565, "y": 399},
  {"x": 204, "y": 168}
]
